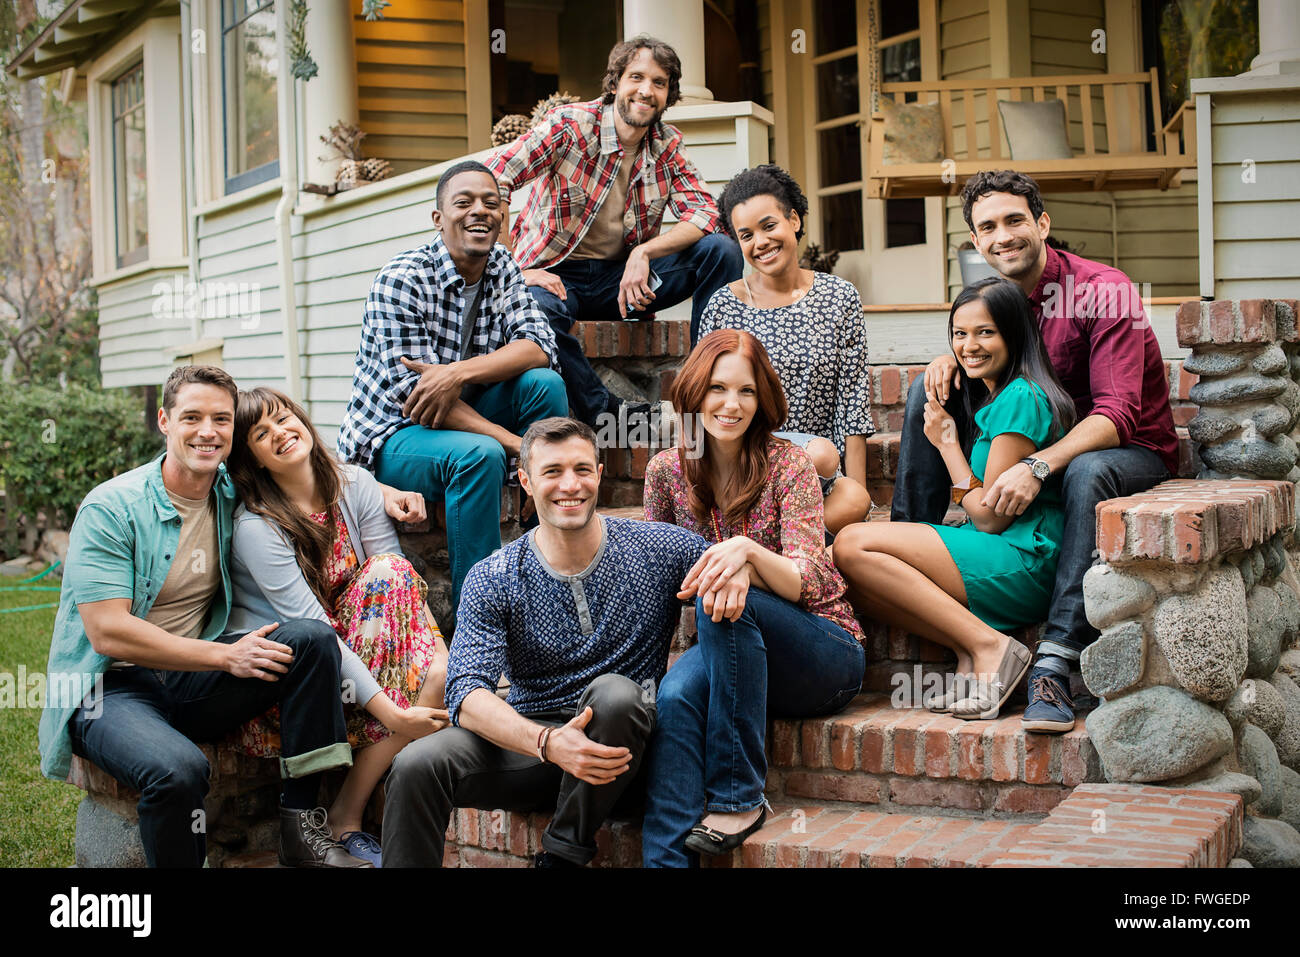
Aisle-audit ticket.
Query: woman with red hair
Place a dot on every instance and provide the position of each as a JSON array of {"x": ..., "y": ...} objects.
[{"x": 789, "y": 646}]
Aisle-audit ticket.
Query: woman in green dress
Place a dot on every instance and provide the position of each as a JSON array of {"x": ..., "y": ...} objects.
[{"x": 964, "y": 587}]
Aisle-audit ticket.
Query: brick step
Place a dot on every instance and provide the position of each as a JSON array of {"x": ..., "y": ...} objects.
[
  {"x": 873, "y": 753},
  {"x": 1114, "y": 825}
]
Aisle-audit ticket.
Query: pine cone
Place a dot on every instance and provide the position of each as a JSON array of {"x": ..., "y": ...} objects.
[
  {"x": 349, "y": 174},
  {"x": 375, "y": 169},
  {"x": 551, "y": 102},
  {"x": 818, "y": 260},
  {"x": 509, "y": 128}
]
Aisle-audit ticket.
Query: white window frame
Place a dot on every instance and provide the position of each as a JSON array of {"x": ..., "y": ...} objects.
[
  {"x": 123, "y": 258},
  {"x": 913, "y": 273},
  {"x": 237, "y": 183},
  {"x": 156, "y": 44}
]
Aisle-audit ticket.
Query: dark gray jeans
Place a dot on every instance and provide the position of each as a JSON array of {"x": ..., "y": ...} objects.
[
  {"x": 457, "y": 768},
  {"x": 922, "y": 494}
]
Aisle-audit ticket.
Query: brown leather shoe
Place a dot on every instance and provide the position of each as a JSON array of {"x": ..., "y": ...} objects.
[{"x": 305, "y": 841}]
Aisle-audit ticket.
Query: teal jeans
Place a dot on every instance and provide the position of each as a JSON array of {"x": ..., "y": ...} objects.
[{"x": 466, "y": 470}]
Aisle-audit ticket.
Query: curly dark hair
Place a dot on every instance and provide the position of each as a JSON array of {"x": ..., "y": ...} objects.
[
  {"x": 622, "y": 55},
  {"x": 1000, "y": 181},
  {"x": 766, "y": 180}
]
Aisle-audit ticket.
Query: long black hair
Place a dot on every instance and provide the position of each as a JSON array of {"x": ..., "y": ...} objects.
[{"x": 1026, "y": 354}]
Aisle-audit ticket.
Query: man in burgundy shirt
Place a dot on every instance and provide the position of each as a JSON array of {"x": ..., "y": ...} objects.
[{"x": 1106, "y": 355}]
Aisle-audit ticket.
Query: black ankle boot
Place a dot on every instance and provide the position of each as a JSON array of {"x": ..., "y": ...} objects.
[
  {"x": 305, "y": 841},
  {"x": 547, "y": 859}
]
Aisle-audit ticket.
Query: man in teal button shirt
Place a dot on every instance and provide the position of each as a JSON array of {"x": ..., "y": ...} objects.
[{"x": 141, "y": 667}]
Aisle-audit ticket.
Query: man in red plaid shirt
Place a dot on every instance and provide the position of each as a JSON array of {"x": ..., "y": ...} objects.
[{"x": 588, "y": 239}]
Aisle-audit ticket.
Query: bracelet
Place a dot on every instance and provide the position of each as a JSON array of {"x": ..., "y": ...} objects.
[
  {"x": 540, "y": 735},
  {"x": 546, "y": 739},
  {"x": 969, "y": 484}
]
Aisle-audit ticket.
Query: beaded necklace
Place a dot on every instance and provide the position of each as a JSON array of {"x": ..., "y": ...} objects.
[{"x": 717, "y": 532}]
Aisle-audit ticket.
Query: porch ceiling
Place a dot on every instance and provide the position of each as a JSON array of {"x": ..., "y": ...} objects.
[{"x": 82, "y": 30}]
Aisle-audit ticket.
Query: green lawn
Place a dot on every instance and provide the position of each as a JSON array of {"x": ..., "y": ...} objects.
[{"x": 37, "y": 816}]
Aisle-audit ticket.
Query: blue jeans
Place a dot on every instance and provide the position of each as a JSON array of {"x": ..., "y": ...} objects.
[
  {"x": 922, "y": 494},
  {"x": 707, "y": 751},
  {"x": 149, "y": 720},
  {"x": 467, "y": 470},
  {"x": 591, "y": 287}
]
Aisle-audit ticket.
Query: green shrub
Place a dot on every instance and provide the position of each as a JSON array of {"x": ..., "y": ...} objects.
[{"x": 56, "y": 445}]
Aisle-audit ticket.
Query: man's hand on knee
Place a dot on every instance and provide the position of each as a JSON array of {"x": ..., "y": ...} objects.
[
  {"x": 256, "y": 656},
  {"x": 569, "y": 747},
  {"x": 634, "y": 290}
]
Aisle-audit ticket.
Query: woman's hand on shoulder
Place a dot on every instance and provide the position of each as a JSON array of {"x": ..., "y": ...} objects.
[{"x": 941, "y": 377}]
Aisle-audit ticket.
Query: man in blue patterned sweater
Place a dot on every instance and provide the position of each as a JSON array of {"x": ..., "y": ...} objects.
[{"x": 578, "y": 614}]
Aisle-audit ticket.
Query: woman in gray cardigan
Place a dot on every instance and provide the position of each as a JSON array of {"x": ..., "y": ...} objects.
[{"x": 312, "y": 540}]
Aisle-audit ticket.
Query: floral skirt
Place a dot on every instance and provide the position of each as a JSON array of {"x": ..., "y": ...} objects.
[{"x": 380, "y": 616}]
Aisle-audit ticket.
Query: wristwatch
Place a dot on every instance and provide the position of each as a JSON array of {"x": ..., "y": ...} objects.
[{"x": 1040, "y": 469}]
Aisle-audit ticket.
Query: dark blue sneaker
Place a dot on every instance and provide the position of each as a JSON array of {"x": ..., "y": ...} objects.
[
  {"x": 1051, "y": 709},
  {"x": 363, "y": 845}
]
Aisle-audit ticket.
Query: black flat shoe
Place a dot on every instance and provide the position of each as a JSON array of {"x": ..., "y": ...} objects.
[{"x": 705, "y": 840}]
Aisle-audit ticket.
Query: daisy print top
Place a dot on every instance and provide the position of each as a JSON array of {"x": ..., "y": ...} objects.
[{"x": 818, "y": 346}]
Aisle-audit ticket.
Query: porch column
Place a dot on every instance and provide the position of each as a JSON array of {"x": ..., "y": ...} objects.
[
  {"x": 680, "y": 24},
  {"x": 331, "y": 95},
  {"x": 1279, "y": 38}
]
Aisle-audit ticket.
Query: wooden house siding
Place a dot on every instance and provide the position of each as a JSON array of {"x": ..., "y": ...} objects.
[
  {"x": 1060, "y": 44},
  {"x": 1256, "y": 224},
  {"x": 1156, "y": 235},
  {"x": 132, "y": 338},
  {"x": 1060, "y": 37},
  {"x": 238, "y": 246},
  {"x": 411, "y": 83}
]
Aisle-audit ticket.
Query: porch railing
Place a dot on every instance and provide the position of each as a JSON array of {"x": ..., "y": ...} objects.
[{"x": 1111, "y": 120}]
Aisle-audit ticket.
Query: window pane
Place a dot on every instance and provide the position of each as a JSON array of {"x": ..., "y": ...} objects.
[
  {"x": 901, "y": 63},
  {"x": 252, "y": 123},
  {"x": 1197, "y": 38},
  {"x": 840, "y": 150},
  {"x": 130, "y": 180},
  {"x": 898, "y": 16},
  {"x": 904, "y": 222},
  {"x": 837, "y": 88},
  {"x": 837, "y": 25},
  {"x": 842, "y": 221}
]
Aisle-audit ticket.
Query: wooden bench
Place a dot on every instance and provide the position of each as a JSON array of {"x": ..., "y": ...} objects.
[{"x": 1110, "y": 119}]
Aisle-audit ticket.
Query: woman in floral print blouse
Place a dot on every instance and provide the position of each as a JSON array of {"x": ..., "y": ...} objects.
[
  {"x": 312, "y": 540},
  {"x": 789, "y": 645}
]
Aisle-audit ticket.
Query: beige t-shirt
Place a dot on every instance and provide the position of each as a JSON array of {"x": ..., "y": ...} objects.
[
  {"x": 195, "y": 573},
  {"x": 604, "y": 240}
]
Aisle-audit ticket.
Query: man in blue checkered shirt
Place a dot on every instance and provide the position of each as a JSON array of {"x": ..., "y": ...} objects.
[{"x": 456, "y": 361}]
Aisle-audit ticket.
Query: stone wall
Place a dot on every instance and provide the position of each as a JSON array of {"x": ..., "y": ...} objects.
[
  {"x": 1197, "y": 597},
  {"x": 1247, "y": 355},
  {"x": 1197, "y": 663}
]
